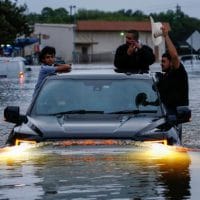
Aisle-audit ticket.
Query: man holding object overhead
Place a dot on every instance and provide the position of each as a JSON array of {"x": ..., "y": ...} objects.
[{"x": 173, "y": 85}]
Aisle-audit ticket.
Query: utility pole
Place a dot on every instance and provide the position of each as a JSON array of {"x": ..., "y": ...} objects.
[
  {"x": 73, "y": 21},
  {"x": 72, "y": 14}
]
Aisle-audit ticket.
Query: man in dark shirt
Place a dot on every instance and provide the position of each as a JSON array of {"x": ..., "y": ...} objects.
[
  {"x": 173, "y": 85},
  {"x": 133, "y": 56}
]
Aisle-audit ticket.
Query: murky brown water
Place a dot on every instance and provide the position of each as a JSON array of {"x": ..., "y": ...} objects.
[{"x": 97, "y": 172}]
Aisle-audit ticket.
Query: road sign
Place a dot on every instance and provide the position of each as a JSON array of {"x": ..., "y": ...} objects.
[{"x": 194, "y": 40}]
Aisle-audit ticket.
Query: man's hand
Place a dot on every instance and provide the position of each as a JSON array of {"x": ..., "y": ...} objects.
[
  {"x": 171, "y": 48},
  {"x": 63, "y": 67},
  {"x": 164, "y": 31},
  {"x": 68, "y": 67},
  {"x": 133, "y": 47}
]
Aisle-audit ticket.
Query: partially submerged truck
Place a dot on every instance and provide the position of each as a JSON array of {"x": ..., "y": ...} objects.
[{"x": 12, "y": 67}]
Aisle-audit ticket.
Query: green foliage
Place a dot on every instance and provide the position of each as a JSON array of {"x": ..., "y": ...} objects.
[
  {"x": 121, "y": 15},
  {"x": 61, "y": 15},
  {"x": 13, "y": 21},
  {"x": 181, "y": 24},
  {"x": 48, "y": 15}
]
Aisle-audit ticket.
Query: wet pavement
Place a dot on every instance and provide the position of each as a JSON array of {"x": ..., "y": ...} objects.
[{"x": 57, "y": 171}]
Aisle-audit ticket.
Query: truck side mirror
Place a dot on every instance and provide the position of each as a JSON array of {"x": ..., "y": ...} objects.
[
  {"x": 140, "y": 99},
  {"x": 12, "y": 114},
  {"x": 183, "y": 114}
]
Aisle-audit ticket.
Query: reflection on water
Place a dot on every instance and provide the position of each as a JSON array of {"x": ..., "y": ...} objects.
[
  {"x": 95, "y": 172},
  {"x": 15, "y": 92},
  {"x": 175, "y": 176}
]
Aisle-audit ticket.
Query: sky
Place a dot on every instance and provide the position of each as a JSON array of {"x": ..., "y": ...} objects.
[{"x": 189, "y": 7}]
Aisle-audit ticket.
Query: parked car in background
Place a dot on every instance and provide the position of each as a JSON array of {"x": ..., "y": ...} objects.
[
  {"x": 191, "y": 62},
  {"x": 12, "y": 67},
  {"x": 96, "y": 104}
]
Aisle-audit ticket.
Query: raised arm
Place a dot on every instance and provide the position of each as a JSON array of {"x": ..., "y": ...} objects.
[{"x": 171, "y": 48}]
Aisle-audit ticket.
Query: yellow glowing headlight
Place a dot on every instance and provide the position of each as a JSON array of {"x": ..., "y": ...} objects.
[
  {"x": 21, "y": 74},
  {"x": 19, "y": 142},
  {"x": 164, "y": 142},
  {"x": 159, "y": 150},
  {"x": 15, "y": 152}
]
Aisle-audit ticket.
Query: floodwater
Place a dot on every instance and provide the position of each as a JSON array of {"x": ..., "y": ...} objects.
[{"x": 121, "y": 171}]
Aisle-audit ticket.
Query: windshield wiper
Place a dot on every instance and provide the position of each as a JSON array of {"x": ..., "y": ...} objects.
[
  {"x": 132, "y": 111},
  {"x": 79, "y": 112}
]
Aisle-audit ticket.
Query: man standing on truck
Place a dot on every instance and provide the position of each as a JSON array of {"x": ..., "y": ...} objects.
[
  {"x": 173, "y": 85},
  {"x": 48, "y": 67},
  {"x": 133, "y": 56}
]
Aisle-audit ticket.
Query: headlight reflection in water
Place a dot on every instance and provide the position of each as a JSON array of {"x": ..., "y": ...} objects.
[
  {"x": 160, "y": 153},
  {"x": 16, "y": 152},
  {"x": 140, "y": 150}
]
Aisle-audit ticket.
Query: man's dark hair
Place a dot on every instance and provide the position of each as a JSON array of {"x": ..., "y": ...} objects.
[
  {"x": 46, "y": 50},
  {"x": 135, "y": 33},
  {"x": 167, "y": 55}
]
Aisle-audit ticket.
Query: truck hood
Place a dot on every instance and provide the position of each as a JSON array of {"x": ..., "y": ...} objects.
[{"x": 93, "y": 126}]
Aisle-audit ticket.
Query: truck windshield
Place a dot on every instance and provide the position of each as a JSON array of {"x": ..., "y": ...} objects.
[{"x": 98, "y": 95}]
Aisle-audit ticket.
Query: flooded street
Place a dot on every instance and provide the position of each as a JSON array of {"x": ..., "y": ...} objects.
[
  {"x": 132, "y": 171},
  {"x": 101, "y": 172}
]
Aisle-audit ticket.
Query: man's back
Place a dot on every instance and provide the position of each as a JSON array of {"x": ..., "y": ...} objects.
[{"x": 172, "y": 83}]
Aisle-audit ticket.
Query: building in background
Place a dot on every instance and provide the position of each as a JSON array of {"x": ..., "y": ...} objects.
[
  {"x": 60, "y": 36},
  {"x": 93, "y": 41},
  {"x": 96, "y": 41}
]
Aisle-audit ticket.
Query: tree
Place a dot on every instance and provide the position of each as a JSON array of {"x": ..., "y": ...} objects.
[
  {"x": 13, "y": 21},
  {"x": 50, "y": 16},
  {"x": 181, "y": 24}
]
